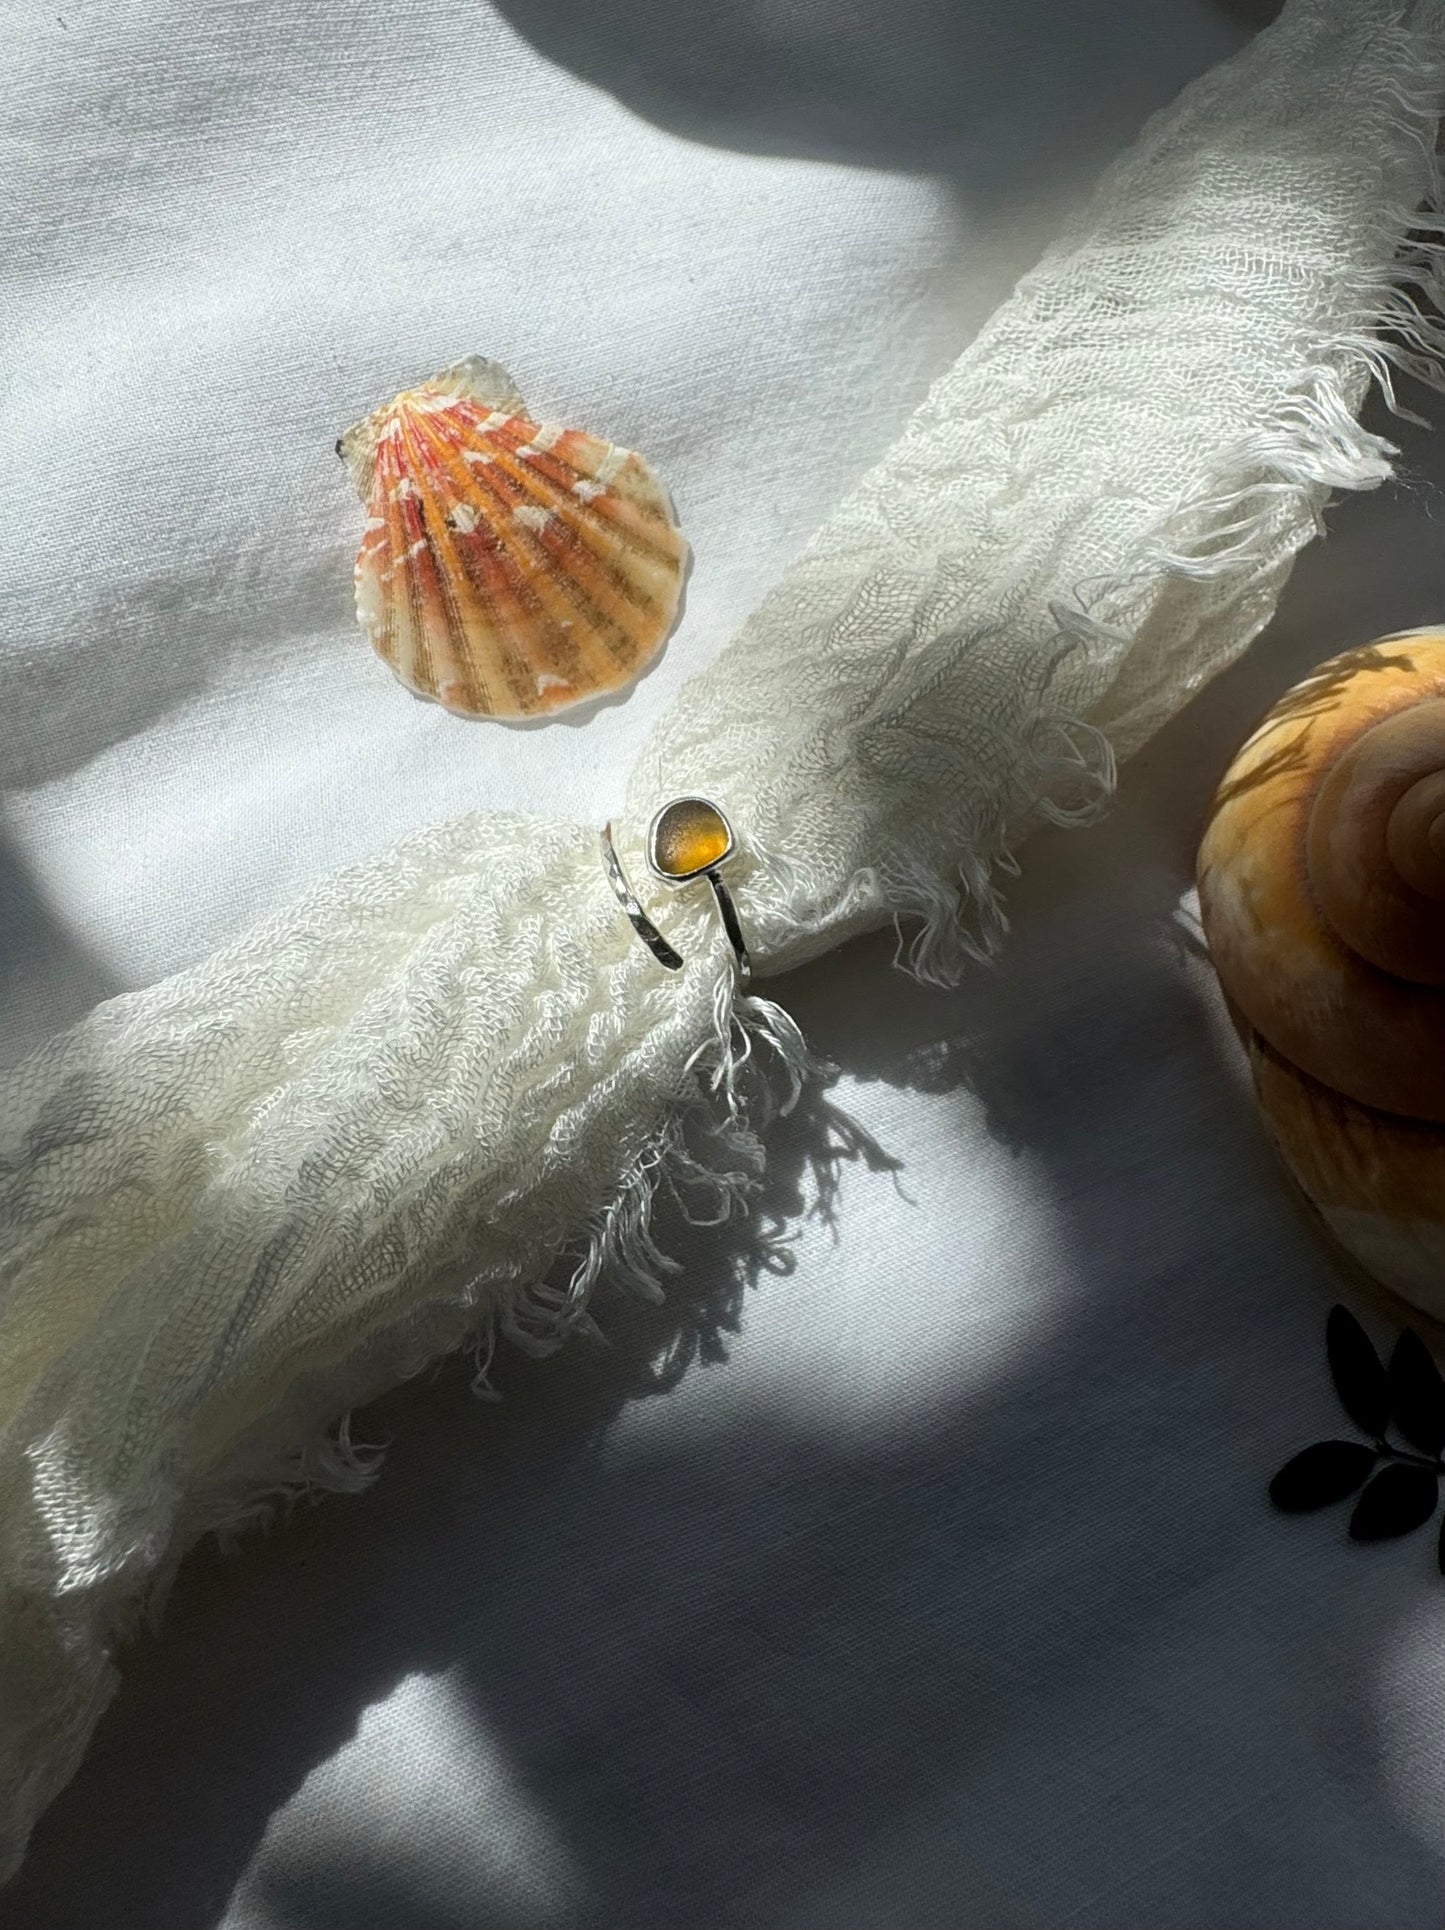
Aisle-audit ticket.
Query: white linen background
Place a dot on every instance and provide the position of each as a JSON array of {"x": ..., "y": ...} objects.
[{"x": 950, "y": 1595}]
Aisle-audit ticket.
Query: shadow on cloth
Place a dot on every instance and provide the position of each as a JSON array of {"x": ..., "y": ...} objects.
[
  {"x": 798, "y": 1677},
  {"x": 991, "y": 95},
  {"x": 73, "y": 981}
]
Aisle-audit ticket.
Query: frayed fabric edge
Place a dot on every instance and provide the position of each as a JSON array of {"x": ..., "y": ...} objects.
[
  {"x": 1311, "y": 446},
  {"x": 706, "y": 1158}
]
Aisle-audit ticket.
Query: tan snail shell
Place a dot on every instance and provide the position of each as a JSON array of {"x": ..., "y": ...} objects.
[{"x": 1322, "y": 894}]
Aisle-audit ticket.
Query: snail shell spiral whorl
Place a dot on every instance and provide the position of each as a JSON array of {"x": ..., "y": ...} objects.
[{"x": 1322, "y": 893}]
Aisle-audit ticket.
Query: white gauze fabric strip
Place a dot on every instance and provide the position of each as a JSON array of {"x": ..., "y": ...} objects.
[{"x": 238, "y": 1202}]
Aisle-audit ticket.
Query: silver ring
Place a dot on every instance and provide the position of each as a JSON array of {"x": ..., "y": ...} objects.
[
  {"x": 651, "y": 937},
  {"x": 689, "y": 838}
]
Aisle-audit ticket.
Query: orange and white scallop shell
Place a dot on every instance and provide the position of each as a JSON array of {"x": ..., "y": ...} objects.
[{"x": 508, "y": 568}]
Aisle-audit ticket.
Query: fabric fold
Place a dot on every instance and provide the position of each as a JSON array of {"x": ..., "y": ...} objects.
[{"x": 433, "y": 1102}]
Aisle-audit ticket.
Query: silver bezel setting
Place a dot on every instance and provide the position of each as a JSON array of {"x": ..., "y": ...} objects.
[{"x": 687, "y": 877}]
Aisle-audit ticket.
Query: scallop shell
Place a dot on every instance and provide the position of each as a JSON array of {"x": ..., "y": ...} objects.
[{"x": 508, "y": 568}]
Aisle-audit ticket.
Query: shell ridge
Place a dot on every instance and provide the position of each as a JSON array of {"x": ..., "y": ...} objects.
[
  {"x": 564, "y": 585},
  {"x": 630, "y": 521},
  {"x": 508, "y": 567},
  {"x": 435, "y": 661},
  {"x": 615, "y": 514},
  {"x": 397, "y": 643},
  {"x": 534, "y": 618},
  {"x": 422, "y": 647},
  {"x": 610, "y": 516},
  {"x": 463, "y": 676},
  {"x": 524, "y": 476}
]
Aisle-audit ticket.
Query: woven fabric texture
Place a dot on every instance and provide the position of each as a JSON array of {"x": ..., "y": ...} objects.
[{"x": 432, "y": 1101}]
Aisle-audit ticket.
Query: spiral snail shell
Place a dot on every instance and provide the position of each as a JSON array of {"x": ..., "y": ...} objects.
[{"x": 1322, "y": 893}]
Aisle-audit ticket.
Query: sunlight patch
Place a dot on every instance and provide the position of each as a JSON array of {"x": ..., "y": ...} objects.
[{"x": 417, "y": 1813}]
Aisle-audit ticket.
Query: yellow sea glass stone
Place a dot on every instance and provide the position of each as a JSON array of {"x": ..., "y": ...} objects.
[{"x": 689, "y": 836}]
